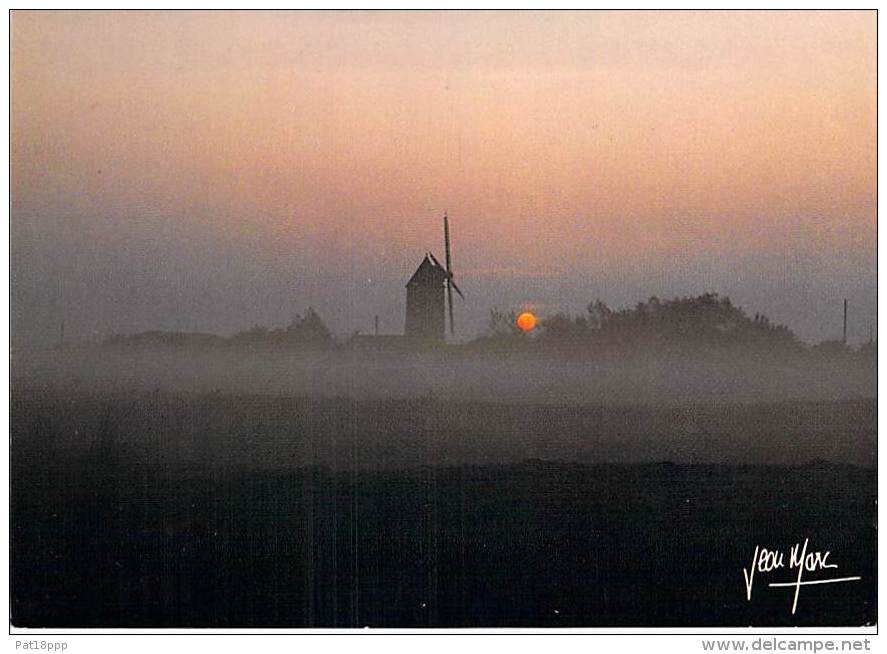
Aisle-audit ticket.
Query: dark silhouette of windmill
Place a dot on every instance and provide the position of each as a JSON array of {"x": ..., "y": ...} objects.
[{"x": 425, "y": 316}]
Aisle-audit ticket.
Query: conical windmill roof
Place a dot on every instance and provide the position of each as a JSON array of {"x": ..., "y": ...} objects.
[{"x": 428, "y": 274}]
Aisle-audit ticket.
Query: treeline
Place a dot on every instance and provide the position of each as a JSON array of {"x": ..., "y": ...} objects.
[
  {"x": 305, "y": 331},
  {"x": 705, "y": 320}
]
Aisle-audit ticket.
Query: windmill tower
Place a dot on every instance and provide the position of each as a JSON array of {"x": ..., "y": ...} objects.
[
  {"x": 425, "y": 316},
  {"x": 425, "y": 301}
]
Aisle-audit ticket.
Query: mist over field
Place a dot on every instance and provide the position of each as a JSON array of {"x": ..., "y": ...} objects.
[
  {"x": 210, "y": 407},
  {"x": 173, "y": 487},
  {"x": 281, "y": 478},
  {"x": 637, "y": 374}
]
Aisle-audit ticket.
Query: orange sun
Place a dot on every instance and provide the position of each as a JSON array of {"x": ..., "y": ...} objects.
[{"x": 526, "y": 321}]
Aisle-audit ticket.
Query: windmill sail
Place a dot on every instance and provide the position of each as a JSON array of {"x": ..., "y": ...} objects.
[
  {"x": 449, "y": 269},
  {"x": 448, "y": 276}
]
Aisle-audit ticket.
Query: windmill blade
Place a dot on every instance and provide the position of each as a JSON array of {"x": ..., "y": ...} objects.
[
  {"x": 456, "y": 288},
  {"x": 450, "y": 283},
  {"x": 437, "y": 263},
  {"x": 448, "y": 274}
]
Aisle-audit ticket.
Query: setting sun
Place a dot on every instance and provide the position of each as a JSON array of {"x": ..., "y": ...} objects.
[{"x": 526, "y": 321}]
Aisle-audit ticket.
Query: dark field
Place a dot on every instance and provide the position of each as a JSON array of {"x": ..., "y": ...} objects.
[{"x": 233, "y": 510}]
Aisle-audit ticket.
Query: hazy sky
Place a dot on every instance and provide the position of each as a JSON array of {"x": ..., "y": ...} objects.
[{"x": 211, "y": 171}]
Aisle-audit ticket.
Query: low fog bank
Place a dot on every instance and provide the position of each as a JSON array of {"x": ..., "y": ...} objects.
[
  {"x": 458, "y": 374},
  {"x": 183, "y": 411}
]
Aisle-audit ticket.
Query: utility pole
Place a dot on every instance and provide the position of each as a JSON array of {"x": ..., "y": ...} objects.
[
  {"x": 845, "y": 321},
  {"x": 377, "y": 324}
]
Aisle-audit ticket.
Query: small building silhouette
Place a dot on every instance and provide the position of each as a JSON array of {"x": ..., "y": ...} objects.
[{"x": 425, "y": 301}]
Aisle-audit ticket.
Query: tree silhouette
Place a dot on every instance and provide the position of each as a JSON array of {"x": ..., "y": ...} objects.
[
  {"x": 708, "y": 318},
  {"x": 502, "y": 324}
]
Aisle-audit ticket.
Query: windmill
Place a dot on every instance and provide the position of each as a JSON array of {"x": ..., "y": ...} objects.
[
  {"x": 451, "y": 283},
  {"x": 429, "y": 291}
]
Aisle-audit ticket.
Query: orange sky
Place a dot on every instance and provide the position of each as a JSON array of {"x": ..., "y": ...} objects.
[{"x": 563, "y": 145}]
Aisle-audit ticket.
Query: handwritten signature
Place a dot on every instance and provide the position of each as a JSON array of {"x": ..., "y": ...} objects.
[{"x": 766, "y": 561}]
